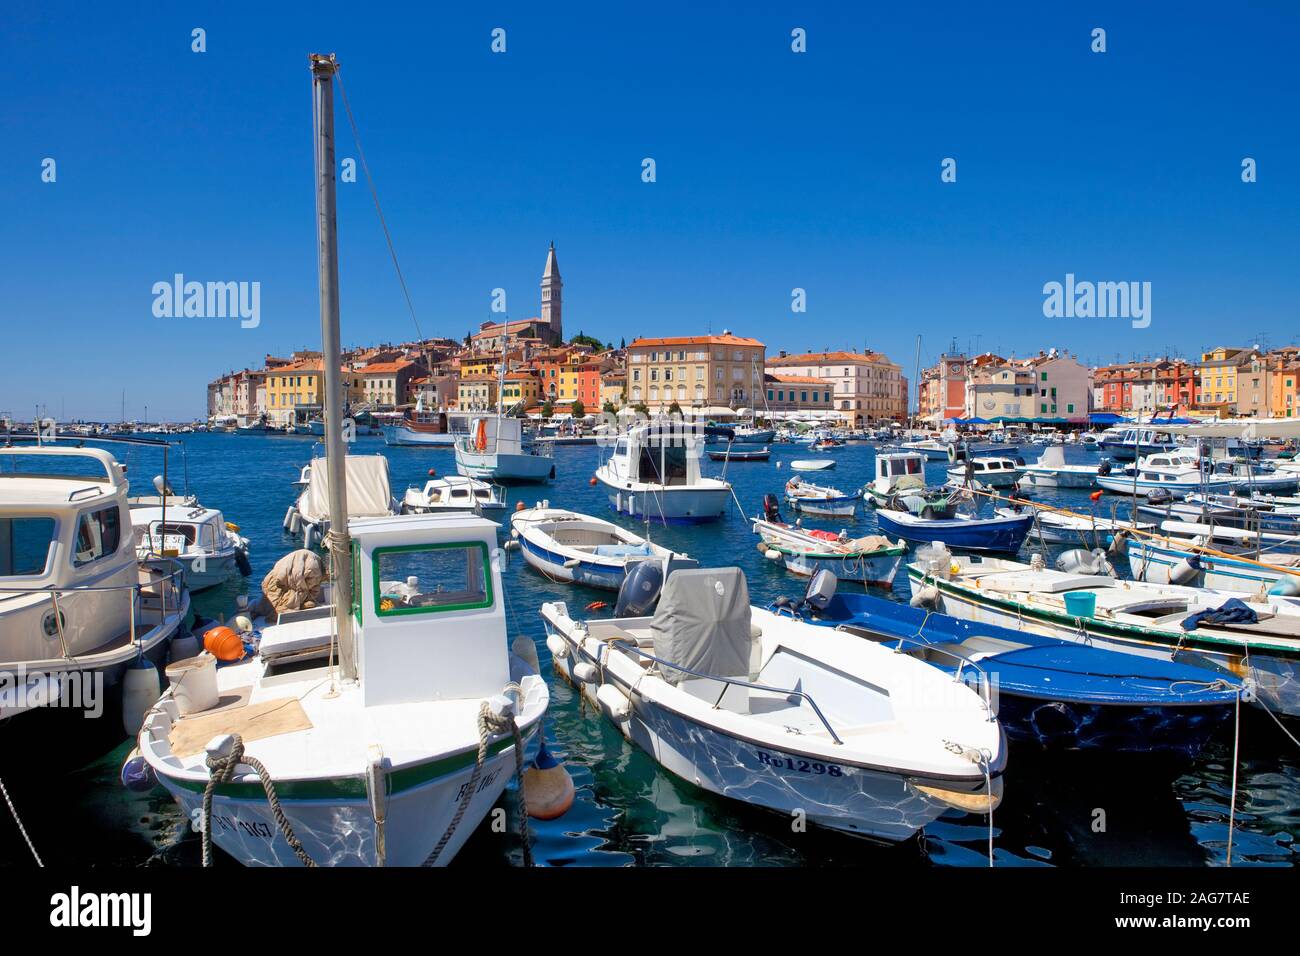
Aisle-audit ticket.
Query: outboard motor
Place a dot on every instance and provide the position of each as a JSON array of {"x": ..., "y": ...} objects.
[
  {"x": 772, "y": 509},
  {"x": 1104, "y": 467},
  {"x": 640, "y": 591},
  {"x": 1083, "y": 561},
  {"x": 820, "y": 590},
  {"x": 1159, "y": 496}
]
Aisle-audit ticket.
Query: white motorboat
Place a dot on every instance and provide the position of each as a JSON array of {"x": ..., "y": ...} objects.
[
  {"x": 1250, "y": 476},
  {"x": 1155, "y": 620},
  {"x": 77, "y": 607},
  {"x": 495, "y": 450},
  {"x": 990, "y": 471},
  {"x": 581, "y": 549},
  {"x": 1176, "y": 473},
  {"x": 812, "y": 464},
  {"x": 895, "y": 472},
  {"x": 368, "y": 496},
  {"x": 653, "y": 472},
  {"x": 209, "y": 548},
  {"x": 1085, "y": 531},
  {"x": 782, "y": 714},
  {"x": 819, "y": 499},
  {"x": 392, "y": 750},
  {"x": 1051, "y": 471},
  {"x": 455, "y": 493},
  {"x": 1202, "y": 561}
]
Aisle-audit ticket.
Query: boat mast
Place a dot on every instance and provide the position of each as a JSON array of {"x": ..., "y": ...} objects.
[{"x": 323, "y": 68}]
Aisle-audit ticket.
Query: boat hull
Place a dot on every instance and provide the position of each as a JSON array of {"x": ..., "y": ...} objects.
[
  {"x": 1154, "y": 562},
  {"x": 668, "y": 505},
  {"x": 505, "y": 467},
  {"x": 1058, "y": 479},
  {"x": 981, "y": 534},
  {"x": 401, "y": 435}
]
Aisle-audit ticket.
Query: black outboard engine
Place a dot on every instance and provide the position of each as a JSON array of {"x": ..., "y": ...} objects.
[
  {"x": 1104, "y": 467},
  {"x": 640, "y": 591},
  {"x": 772, "y": 509},
  {"x": 1159, "y": 496}
]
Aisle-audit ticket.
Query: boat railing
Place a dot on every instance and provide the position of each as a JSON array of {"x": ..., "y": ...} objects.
[
  {"x": 732, "y": 682},
  {"x": 985, "y": 680},
  {"x": 159, "y": 588}
]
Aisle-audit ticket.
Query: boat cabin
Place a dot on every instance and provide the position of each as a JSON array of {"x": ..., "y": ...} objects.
[
  {"x": 427, "y": 590},
  {"x": 664, "y": 454},
  {"x": 898, "y": 471}
]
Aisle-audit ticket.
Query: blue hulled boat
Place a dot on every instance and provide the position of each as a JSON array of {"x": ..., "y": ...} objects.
[
  {"x": 1051, "y": 693},
  {"x": 999, "y": 533}
]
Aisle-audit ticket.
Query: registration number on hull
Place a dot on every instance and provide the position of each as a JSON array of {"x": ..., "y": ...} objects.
[{"x": 798, "y": 765}]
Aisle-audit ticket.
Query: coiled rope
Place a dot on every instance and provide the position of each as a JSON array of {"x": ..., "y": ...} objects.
[
  {"x": 21, "y": 829},
  {"x": 221, "y": 769},
  {"x": 488, "y": 725}
]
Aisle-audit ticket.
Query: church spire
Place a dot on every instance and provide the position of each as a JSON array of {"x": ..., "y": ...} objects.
[{"x": 551, "y": 295}]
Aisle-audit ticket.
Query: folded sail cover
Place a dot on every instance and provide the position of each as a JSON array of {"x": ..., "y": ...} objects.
[
  {"x": 368, "y": 492},
  {"x": 703, "y": 623}
]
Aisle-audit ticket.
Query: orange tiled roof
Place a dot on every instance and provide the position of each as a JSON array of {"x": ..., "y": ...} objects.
[
  {"x": 821, "y": 358},
  {"x": 697, "y": 340}
]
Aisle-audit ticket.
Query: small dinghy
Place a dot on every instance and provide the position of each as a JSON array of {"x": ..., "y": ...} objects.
[
  {"x": 739, "y": 453},
  {"x": 1052, "y": 693},
  {"x": 812, "y": 464},
  {"x": 819, "y": 499},
  {"x": 779, "y": 713},
  {"x": 453, "y": 494},
  {"x": 581, "y": 549},
  {"x": 873, "y": 559}
]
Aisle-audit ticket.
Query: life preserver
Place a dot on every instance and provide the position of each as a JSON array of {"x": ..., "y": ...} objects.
[
  {"x": 480, "y": 437},
  {"x": 952, "y": 453}
]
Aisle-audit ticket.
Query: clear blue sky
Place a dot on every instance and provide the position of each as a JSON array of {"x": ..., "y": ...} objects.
[{"x": 775, "y": 171}]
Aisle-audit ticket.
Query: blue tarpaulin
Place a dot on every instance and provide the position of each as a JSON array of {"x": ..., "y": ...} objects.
[{"x": 1105, "y": 418}]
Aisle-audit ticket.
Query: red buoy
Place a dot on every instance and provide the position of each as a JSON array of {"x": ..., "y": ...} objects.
[
  {"x": 1095, "y": 496},
  {"x": 433, "y": 473},
  {"x": 592, "y": 482}
]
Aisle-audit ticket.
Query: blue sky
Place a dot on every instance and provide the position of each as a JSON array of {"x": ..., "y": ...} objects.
[{"x": 775, "y": 170}]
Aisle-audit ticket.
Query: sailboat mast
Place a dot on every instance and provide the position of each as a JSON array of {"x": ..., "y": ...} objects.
[{"x": 322, "y": 74}]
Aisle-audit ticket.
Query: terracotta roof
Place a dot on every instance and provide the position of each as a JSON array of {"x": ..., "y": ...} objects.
[
  {"x": 798, "y": 380},
  {"x": 697, "y": 340},
  {"x": 823, "y": 358},
  {"x": 397, "y": 366}
]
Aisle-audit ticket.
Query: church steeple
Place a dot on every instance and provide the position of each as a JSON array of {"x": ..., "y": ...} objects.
[{"x": 552, "y": 296}]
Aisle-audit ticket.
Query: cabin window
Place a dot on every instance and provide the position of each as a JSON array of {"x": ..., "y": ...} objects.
[
  {"x": 675, "y": 464},
  {"x": 913, "y": 466},
  {"x": 25, "y": 545},
  {"x": 428, "y": 578},
  {"x": 98, "y": 535}
]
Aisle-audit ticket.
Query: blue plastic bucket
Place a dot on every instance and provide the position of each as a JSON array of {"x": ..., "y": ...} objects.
[{"x": 1080, "y": 603}]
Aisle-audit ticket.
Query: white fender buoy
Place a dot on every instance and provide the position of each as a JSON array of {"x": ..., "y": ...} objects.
[
  {"x": 141, "y": 687},
  {"x": 1185, "y": 571},
  {"x": 586, "y": 672},
  {"x": 524, "y": 649},
  {"x": 614, "y": 701},
  {"x": 572, "y": 563},
  {"x": 295, "y": 523},
  {"x": 772, "y": 554},
  {"x": 548, "y": 787},
  {"x": 558, "y": 646},
  {"x": 288, "y": 517},
  {"x": 927, "y": 596}
]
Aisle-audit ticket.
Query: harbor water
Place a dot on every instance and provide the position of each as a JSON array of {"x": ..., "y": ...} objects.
[{"x": 1070, "y": 810}]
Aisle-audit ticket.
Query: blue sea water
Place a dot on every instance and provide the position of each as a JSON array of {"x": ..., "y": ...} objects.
[{"x": 1064, "y": 811}]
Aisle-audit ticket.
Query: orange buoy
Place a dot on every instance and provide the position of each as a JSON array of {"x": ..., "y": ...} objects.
[
  {"x": 548, "y": 788},
  {"x": 593, "y": 481},
  {"x": 223, "y": 644},
  {"x": 433, "y": 473},
  {"x": 597, "y": 606},
  {"x": 1095, "y": 496}
]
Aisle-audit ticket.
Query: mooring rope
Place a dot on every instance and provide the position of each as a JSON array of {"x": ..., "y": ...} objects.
[
  {"x": 222, "y": 770},
  {"x": 21, "y": 829}
]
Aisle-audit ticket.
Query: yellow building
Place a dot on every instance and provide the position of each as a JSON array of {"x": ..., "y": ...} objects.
[
  {"x": 695, "y": 371},
  {"x": 613, "y": 388},
  {"x": 1219, "y": 377},
  {"x": 477, "y": 393},
  {"x": 521, "y": 389},
  {"x": 296, "y": 392}
]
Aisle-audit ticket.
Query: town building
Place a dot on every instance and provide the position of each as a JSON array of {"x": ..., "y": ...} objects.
[
  {"x": 694, "y": 371},
  {"x": 384, "y": 383},
  {"x": 866, "y": 386},
  {"x": 547, "y": 329}
]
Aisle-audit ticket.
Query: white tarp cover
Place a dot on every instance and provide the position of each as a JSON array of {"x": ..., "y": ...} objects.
[
  {"x": 1259, "y": 428},
  {"x": 703, "y": 622},
  {"x": 368, "y": 493}
]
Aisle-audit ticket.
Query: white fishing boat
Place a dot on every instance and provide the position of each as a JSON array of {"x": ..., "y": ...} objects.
[
  {"x": 1059, "y": 527},
  {"x": 870, "y": 559},
  {"x": 77, "y": 607},
  {"x": 989, "y": 471},
  {"x": 781, "y": 714},
  {"x": 1132, "y": 616},
  {"x": 581, "y": 549},
  {"x": 392, "y": 750},
  {"x": 1051, "y": 471},
  {"x": 1176, "y": 473},
  {"x": 895, "y": 472},
  {"x": 1250, "y": 476},
  {"x": 812, "y": 464},
  {"x": 653, "y": 472},
  {"x": 368, "y": 496},
  {"x": 209, "y": 548},
  {"x": 1200, "y": 561},
  {"x": 819, "y": 499},
  {"x": 455, "y": 493},
  {"x": 495, "y": 450}
]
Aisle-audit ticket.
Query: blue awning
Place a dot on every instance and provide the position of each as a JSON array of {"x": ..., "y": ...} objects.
[{"x": 1105, "y": 418}]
